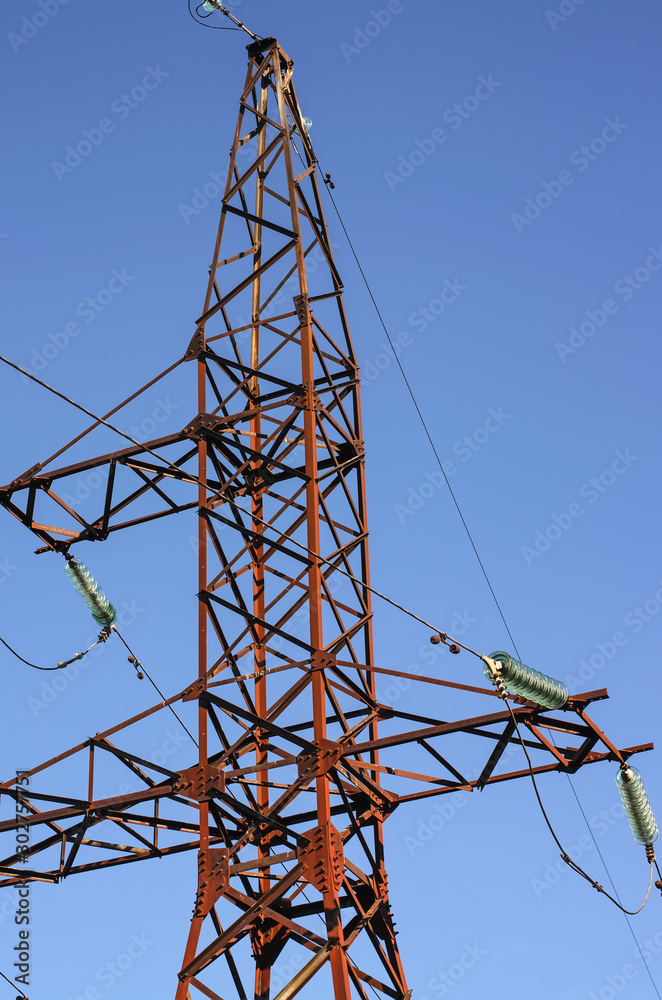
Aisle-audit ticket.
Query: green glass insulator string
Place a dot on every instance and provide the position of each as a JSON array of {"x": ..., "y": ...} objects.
[
  {"x": 102, "y": 610},
  {"x": 526, "y": 682},
  {"x": 637, "y": 807}
]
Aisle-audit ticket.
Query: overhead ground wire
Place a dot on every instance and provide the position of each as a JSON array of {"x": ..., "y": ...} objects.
[{"x": 422, "y": 420}]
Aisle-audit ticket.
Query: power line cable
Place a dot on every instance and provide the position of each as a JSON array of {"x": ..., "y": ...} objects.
[
  {"x": 604, "y": 865},
  {"x": 97, "y": 419},
  {"x": 568, "y": 860},
  {"x": 60, "y": 666},
  {"x": 139, "y": 667},
  {"x": 13, "y": 984}
]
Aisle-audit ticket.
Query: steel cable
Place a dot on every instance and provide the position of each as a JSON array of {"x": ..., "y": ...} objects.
[{"x": 60, "y": 666}]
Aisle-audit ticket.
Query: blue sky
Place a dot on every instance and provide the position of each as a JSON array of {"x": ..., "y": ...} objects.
[{"x": 497, "y": 167}]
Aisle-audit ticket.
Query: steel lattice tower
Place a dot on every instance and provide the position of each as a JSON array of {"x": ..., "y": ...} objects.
[{"x": 286, "y": 802}]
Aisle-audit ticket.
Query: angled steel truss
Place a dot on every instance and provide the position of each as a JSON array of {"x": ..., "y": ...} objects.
[{"x": 299, "y": 764}]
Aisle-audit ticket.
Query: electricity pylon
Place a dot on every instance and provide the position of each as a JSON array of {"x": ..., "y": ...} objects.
[{"x": 299, "y": 764}]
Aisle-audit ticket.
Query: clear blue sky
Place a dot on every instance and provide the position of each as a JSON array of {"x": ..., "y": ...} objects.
[{"x": 497, "y": 166}]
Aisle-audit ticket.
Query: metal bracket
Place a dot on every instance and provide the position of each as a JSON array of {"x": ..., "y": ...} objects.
[
  {"x": 323, "y": 858},
  {"x": 200, "y": 423},
  {"x": 200, "y": 782},
  {"x": 302, "y": 307},
  {"x": 326, "y": 756},
  {"x": 25, "y": 477},
  {"x": 322, "y": 661},
  {"x": 300, "y": 399},
  {"x": 213, "y": 878},
  {"x": 197, "y": 346},
  {"x": 193, "y": 692}
]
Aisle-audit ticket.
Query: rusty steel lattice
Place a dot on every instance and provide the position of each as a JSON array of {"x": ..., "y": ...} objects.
[{"x": 299, "y": 764}]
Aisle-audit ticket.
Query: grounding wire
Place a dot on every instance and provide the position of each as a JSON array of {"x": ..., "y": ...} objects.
[
  {"x": 12, "y": 984},
  {"x": 60, "y": 666},
  {"x": 422, "y": 419},
  {"x": 138, "y": 663}
]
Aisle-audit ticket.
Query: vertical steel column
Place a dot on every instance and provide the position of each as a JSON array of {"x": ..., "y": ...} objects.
[
  {"x": 262, "y": 969},
  {"x": 338, "y": 958}
]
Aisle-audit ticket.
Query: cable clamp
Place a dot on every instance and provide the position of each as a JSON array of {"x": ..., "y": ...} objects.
[
  {"x": 495, "y": 672},
  {"x": 65, "y": 663}
]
